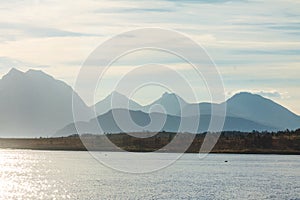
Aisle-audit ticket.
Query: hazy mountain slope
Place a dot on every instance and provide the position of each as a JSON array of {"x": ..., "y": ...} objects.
[
  {"x": 115, "y": 100},
  {"x": 170, "y": 102},
  {"x": 265, "y": 111},
  {"x": 34, "y": 104},
  {"x": 203, "y": 109}
]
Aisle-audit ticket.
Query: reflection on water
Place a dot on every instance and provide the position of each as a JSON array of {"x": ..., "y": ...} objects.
[
  {"x": 30, "y": 174},
  {"x": 26, "y": 174}
]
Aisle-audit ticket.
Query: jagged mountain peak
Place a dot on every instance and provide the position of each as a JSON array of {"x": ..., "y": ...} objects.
[
  {"x": 116, "y": 100},
  {"x": 171, "y": 98},
  {"x": 33, "y": 103},
  {"x": 246, "y": 95},
  {"x": 36, "y": 72},
  {"x": 169, "y": 94},
  {"x": 14, "y": 70},
  {"x": 117, "y": 94},
  {"x": 13, "y": 73}
]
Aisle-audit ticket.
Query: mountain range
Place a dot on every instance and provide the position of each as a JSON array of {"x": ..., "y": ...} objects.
[{"x": 34, "y": 104}]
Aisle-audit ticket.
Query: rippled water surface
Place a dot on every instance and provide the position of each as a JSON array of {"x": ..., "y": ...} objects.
[{"x": 26, "y": 174}]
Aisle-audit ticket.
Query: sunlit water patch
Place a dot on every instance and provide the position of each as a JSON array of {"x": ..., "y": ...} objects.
[{"x": 26, "y": 174}]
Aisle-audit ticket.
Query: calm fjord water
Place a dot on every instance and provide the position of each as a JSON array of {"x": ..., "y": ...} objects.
[{"x": 26, "y": 174}]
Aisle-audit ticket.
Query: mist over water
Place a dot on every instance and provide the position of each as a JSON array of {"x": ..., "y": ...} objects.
[{"x": 26, "y": 174}]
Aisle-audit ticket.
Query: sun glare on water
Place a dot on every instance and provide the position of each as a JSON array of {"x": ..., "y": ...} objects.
[{"x": 24, "y": 174}]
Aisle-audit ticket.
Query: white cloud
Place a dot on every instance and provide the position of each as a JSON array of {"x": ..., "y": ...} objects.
[{"x": 273, "y": 94}]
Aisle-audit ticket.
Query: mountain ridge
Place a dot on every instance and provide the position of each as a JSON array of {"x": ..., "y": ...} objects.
[{"x": 34, "y": 104}]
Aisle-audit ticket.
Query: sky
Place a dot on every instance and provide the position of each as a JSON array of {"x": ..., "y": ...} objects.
[{"x": 254, "y": 44}]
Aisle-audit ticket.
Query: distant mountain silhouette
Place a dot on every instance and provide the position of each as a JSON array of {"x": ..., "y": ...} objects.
[
  {"x": 108, "y": 124},
  {"x": 242, "y": 115},
  {"x": 243, "y": 105},
  {"x": 34, "y": 104},
  {"x": 115, "y": 100}
]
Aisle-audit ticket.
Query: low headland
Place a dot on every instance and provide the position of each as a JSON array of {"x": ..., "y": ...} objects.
[{"x": 283, "y": 142}]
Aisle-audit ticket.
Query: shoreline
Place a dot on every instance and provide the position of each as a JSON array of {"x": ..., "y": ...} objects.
[
  {"x": 212, "y": 152},
  {"x": 228, "y": 143}
]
